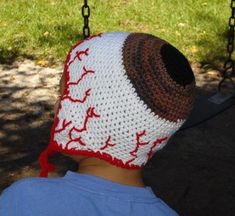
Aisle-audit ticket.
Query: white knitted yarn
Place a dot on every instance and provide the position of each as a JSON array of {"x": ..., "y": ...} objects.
[{"x": 101, "y": 112}]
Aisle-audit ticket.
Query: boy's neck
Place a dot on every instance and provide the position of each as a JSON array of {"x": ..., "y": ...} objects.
[{"x": 103, "y": 169}]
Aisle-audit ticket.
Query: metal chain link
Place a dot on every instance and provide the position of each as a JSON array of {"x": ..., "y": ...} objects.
[
  {"x": 86, "y": 14},
  {"x": 229, "y": 63}
]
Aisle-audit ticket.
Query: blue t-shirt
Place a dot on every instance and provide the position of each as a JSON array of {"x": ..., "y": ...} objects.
[{"x": 79, "y": 195}]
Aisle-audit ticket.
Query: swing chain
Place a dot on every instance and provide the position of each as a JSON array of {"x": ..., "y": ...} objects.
[
  {"x": 229, "y": 68},
  {"x": 86, "y": 14}
]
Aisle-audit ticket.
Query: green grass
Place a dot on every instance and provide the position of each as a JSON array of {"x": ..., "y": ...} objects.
[{"x": 46, "y": 29}]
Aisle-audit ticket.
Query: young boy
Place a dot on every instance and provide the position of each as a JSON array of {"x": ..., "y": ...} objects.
[{"x": 123, "y": 95}]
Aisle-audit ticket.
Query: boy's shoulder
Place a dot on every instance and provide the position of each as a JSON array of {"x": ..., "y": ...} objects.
[
  {"x": 33, "y": 187},
  {"x": 30, "y": 196},
  {"x": 52, "y": 194},
  {"x": 26, "y": 183}
]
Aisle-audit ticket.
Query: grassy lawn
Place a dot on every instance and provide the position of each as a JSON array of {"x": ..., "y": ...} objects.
[{"x": 45, "y": 29}]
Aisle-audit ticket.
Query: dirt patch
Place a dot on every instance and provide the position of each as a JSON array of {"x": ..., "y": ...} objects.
[{"x": 194, "y": 174}]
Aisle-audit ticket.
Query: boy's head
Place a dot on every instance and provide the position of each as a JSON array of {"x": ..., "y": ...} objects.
[{"x": 124, "y": 96}]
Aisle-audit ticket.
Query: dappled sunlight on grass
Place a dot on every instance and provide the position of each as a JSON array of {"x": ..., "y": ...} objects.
[{"x": 47, "y": 29}]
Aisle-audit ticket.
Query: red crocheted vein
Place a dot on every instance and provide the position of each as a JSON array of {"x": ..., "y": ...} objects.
[
  {"x": 90, "y": 111},
  {"x": 89, "y": 114},
  {"x": 79, "y": 55},
  {"x": 155, "y": 143},
  {"x": 53, "y": 145},
  {"x": 107, "y": 144},
  {"x": 67, "y": 64},
  {"x": 85, "y": 72},
  {"x": 138, "y": 144},
  {"x": 87, "y": 93},
  {"x": 64, "y": 125},
  {"x": 141, "y": 143},
  {"x": 78, "y": 140}
]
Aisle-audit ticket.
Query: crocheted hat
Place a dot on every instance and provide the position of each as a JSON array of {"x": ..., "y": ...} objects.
[{"x": 125, "y": 95}]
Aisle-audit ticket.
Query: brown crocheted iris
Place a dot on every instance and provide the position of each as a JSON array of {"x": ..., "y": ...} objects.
[{"x": 161, "y": 75}]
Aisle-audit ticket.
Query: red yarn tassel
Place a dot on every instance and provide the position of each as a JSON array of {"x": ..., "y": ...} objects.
[{"x": 46, "y": 167}]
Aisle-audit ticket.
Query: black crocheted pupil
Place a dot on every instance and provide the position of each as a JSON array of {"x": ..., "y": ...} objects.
[{"x": 177, "y": 65}]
